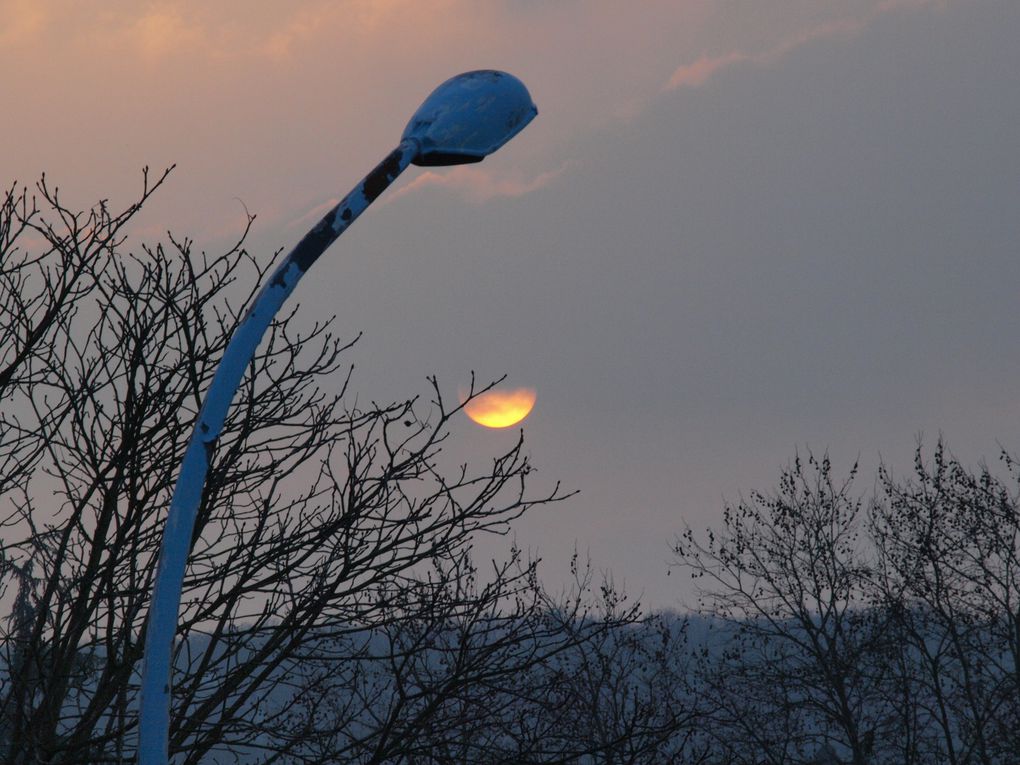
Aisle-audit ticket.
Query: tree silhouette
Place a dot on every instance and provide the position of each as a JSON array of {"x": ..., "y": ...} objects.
[
  {"x": 331, "y": 610},
  {"x": 866, "y": 634}
]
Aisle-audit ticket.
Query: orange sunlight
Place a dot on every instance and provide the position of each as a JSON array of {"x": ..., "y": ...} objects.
[{"x": 501, "y": 409}]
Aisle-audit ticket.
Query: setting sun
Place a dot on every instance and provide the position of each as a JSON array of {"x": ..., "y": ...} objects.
[{"x": 501, "y": 408}]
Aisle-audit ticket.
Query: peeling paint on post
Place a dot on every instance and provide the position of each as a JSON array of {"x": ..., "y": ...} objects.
[
  {"x": 154, "y": 723},
  {"x": 377, "y": 181}
]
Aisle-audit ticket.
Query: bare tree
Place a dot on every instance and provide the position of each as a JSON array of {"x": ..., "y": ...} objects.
[
  {"x": 786, "y": 575},
  {"x": 628, "y": 697},
  {"x": 331, "y": 611},
  {"x": 949, "y": 552},
  {"x": 498, "y": 677},
  {"x": 889, "y": 636},
  {"x": 618, "y": 694}
]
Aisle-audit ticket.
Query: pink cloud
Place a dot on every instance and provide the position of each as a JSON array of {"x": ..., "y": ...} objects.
[
  {"x": 477, "y": 184},
  {"x": 696, "y": 74},
  {"x": 23, "y": 21},
  {"x": 474, "y": 183},
  {"x": 314, "y": 214}
]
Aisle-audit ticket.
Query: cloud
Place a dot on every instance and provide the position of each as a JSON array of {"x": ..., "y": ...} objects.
[
  {"x": 472, "y": 182},
  {"x": 23, "y": 20},
  {"x": 313, "y": 215},
  {"x": 477, "y": 185},
  {"x": 153, "y": 33},
  {"x": 270, "y": 32},
  {"x": 697, "y": 73},
  {"x": 352, "y": 21},
  {"x": 160, "y": 32},
  {"x": 700, "y": 71}
]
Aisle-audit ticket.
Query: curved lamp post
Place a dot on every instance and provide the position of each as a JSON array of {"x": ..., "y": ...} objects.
[{"x": 465, "y": 119}]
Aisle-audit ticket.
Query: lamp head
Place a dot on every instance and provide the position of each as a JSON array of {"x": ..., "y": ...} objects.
[{"x": 468, "y": 117}]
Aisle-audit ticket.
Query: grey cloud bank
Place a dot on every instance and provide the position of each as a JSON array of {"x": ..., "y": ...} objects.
[
  {"x": 821, "y": 251},
  {"x": 813, "y": 242}
]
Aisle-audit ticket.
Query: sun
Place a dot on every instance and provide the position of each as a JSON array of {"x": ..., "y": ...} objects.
[{"x": 501, "y": 408}]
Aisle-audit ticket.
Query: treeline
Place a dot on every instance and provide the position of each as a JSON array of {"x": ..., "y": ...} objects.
[
  {"x": 831, "y": 628},
  {"x": 332, "y": 611},
  {"x": 883, "y": 632}
]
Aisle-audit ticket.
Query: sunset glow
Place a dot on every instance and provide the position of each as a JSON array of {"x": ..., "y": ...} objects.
[
  {"x": 735, "y": 229},
  {"x": 499, "y": 408}
]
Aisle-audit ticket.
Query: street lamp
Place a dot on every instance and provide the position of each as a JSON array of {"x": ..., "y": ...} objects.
[{"x": 465, "y": 119}]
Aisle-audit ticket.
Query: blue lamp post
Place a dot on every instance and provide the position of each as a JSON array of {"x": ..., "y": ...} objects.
[{"x": 465, "y": 119}]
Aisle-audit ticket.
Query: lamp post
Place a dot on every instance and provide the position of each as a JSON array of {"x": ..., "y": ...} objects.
[{"x": 465, "y": 119}]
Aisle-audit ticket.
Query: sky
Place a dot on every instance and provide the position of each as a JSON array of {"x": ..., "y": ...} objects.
[{"x": 737, "y": 229}]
